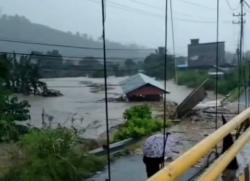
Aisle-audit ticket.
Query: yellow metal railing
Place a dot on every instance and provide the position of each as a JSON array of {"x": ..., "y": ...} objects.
[
  {"x": 181, "y": 165},
  {"x": 215, "y": 170}
]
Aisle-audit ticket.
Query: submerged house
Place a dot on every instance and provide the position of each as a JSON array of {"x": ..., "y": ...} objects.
[{"x": 141, "y": 87}]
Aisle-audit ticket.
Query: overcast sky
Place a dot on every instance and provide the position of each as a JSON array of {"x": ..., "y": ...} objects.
[{"x": 135, "y": 21}]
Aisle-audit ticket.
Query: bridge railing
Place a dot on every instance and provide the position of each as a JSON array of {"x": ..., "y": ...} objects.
[{"x": 186, "y": 161}]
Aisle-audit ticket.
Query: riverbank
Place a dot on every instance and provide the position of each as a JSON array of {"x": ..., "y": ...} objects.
[
  {"x": 193, "y": 78},
  {"x": 131, "y": 167},
  {"x": 187, "y": 132},
  {"x": 82, "y": 107}
]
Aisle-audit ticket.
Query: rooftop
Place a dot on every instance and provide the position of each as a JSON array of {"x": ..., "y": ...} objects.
[
  {"x": 139, "y": 80},
  {"x": 195, "y": 42}
]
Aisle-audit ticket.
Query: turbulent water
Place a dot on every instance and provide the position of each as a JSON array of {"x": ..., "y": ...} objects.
[{"x": 82, "y": 105}]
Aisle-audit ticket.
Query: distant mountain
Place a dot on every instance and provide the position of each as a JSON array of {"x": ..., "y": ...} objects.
[{"x": 21, "y": 29}]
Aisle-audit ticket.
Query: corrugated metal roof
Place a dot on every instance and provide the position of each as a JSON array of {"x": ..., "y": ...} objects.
[{"x": 138, "y": 80}]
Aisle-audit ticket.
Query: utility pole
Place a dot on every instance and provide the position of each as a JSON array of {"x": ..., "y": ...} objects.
[
  {"x": 241, "y": 22},
  {"x": 106, "y": 88}
]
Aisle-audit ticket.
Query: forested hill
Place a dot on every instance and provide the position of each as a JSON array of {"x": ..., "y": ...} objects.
[{"x": 20, "y": 28}]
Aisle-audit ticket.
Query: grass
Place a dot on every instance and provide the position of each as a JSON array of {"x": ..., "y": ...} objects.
[
  {"x": 51, "y": 155},
  {"x": 193, "y": 78},
  {"x": 234, "y": 94}
]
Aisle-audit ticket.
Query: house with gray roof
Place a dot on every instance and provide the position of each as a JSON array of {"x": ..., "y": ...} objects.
[{"x": 141, "y": 87}]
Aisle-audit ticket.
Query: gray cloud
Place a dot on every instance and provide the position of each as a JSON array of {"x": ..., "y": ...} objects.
[{"x": 134, "y": 21}]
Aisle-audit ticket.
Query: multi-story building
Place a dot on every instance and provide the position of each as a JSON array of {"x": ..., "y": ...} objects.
[{"x": 205, "y": 54}]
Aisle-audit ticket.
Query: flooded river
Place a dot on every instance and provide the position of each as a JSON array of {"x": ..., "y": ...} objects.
[{"x": 82, "y": 105}]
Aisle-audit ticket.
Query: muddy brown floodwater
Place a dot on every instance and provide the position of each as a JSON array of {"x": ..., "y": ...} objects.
[{"x": 82, "y": 104}]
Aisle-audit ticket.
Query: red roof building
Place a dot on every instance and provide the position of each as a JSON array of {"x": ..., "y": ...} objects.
[{"x": 141, "y": 87}]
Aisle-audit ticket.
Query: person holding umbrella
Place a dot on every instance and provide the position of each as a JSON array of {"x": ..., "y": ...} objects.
[{"x": 155, "y": 148}]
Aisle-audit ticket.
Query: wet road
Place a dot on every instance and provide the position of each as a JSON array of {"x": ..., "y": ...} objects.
[
  {"x": 131, "y": 168},
  {"x": 189, "y": 133}
]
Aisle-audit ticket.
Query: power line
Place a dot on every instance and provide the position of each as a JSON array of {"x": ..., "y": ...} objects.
[
  {"x": 173, "y": 37},
  {"x": 196, "y": 21},
  {"x": 246, "y": 3},
  {"x": 165, "y": 83},
  {"x": 145, "y": 4},
  {"x": 200, "y": 21},
  {"x": 157, "y": 8},
  {"x": 73, "y": 57},
  {"x": 156, "y": 15},
  {"x": 135, "y": 9},
  {"x": 230, "y": 6},
  {"x": 197, "y": 4},
  {"x": 129, "y": 9},
  {"x": 155, "y": 67},
  {"x": 184, "y": 1},
  {"x": 71, "y": 46}
]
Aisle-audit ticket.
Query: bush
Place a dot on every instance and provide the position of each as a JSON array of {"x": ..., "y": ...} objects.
[
  {"x": 141, "y": 112},
  {"x": 234, "y": 94},
  {"x": 193, "y": 78},
  {"x": 11, "y": 111},
  {"x": 50, "y": 155},
  {"x": 137, "y": 128},
  {"x": 139, "y": 123},
  {"x": 40, "y": 144}
]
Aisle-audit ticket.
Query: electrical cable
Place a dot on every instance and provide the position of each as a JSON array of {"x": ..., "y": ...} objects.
[
  {"x": 72, "y": 46},
  {"x": 217, "y": 64},
  {"x": 158, "y": 8},
  {"x": 155, "y": 67},
  {"x": 239, "y": 79},
  {"x": 68, "y": 57},
  {"x": 173, "y": 39},
  {"x": 197, "y": 4},
  {"x": 106, "y": 90},
  {"x": 231, "y": 7},
  {"x": 165, "y": 83},
  {"x": 241, "y": 42},
  {"x": 156, "y": 15},
  {"x": 246, "y": 3}
]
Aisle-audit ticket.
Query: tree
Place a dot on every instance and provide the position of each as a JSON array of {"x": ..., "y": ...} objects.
[
  {"x": 91, "y": 67},
  {"x": 3, "y": 68},
  {"x": 154, "y": 65},
  {"x": 130, "y": 66},
  {"x": 117, "y": 69},
  {"x": 21, "y": 76},
  {"x": 51, "y": 60},
  {"x": 11, "y": 110}
]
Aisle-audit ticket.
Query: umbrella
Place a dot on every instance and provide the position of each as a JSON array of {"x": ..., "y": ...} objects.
[{"x": 154, "y": 146}]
